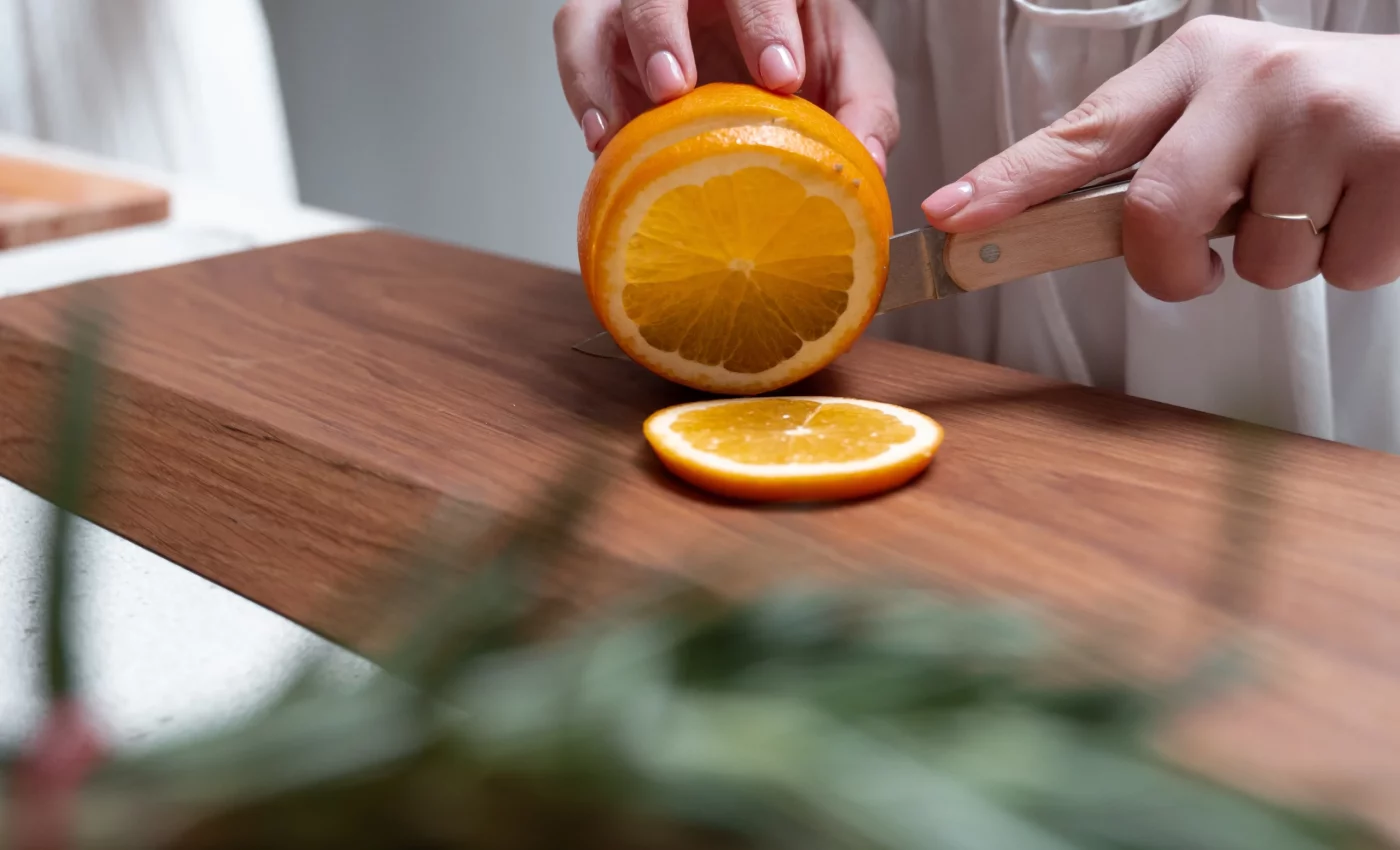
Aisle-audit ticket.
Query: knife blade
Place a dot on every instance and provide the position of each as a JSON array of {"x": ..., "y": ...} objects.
[{"x": 1083, "y": 226}]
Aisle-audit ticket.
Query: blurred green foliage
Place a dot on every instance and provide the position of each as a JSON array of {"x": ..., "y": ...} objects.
[{"x": 803, "y": 718}]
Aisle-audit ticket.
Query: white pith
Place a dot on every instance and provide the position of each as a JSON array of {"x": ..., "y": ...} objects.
[{"x": 661, "y": 141}]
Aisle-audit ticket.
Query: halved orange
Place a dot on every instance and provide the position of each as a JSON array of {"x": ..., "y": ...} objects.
[
  {"x": 796, "y": 448},
  {"x": 735, "y": 240}
]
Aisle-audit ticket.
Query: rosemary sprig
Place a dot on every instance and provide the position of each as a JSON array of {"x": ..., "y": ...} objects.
[{"x": 803, "y": 718}]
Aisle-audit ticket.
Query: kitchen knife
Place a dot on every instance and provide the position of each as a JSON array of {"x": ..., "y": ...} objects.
[{"x": 1083, "y": 226}]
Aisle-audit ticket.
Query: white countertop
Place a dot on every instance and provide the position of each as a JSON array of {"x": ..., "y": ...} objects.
[{"x": 161, "y": 650}]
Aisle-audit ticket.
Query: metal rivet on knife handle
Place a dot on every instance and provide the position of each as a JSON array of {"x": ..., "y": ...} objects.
[{"x": 1084, "y": 226}]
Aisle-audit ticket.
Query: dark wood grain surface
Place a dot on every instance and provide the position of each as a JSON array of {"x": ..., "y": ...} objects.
[
  {"x": 41, "y": 202},
  {"x": 283, "y": 421}
]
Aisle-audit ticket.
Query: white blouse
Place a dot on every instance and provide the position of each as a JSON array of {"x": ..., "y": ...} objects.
[{"x": 976, "y": 75}]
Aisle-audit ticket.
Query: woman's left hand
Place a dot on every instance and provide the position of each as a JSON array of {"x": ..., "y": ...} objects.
[{"x": 1297, "y": 122}]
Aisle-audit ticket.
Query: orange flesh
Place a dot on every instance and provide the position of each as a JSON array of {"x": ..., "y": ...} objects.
[
  {"x": 791, "y": 431},
  {"x": 767, "y": 269}
]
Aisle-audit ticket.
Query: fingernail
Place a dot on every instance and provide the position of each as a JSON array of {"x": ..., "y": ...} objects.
[
  {"x": 594, "y": 128},
  {"x": 1217, "y": 272},
  {"x": 948, "y": 200},
  {"x": 665, "y": 79},
  {"x": 776, "y": 67},
  {"x": 877, "y": 150}
]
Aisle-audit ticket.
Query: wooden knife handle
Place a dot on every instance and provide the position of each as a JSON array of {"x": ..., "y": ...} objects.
[{"x": 1083, "y": 226}]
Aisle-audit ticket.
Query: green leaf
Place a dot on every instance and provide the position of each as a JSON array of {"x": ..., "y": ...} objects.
[
  {"x": 75, "y": 425},
  {"x": 321, "y": 738}
]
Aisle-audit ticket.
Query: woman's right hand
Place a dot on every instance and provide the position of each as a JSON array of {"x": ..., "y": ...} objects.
[{"x": 618, "y": 58}]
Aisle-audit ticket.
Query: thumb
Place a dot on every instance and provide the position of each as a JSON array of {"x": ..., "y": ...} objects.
[{"x": 1112, "y": 129}]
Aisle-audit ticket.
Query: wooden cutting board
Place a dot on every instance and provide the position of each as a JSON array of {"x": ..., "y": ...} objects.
[
  {"x": 284, "y": 420},
  {"x": 40, "y": 202}
]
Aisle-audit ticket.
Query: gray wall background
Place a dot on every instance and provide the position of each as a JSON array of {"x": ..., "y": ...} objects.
[{"x": 440, "y": 117}]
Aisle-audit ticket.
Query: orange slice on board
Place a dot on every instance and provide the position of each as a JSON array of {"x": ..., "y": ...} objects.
[
  {"x": 734, "y": 240},
  {"x": 793, "y": 448}
]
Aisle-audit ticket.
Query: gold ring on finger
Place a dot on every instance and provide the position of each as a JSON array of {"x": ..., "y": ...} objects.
[{"x": 1317, "y": 231}]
